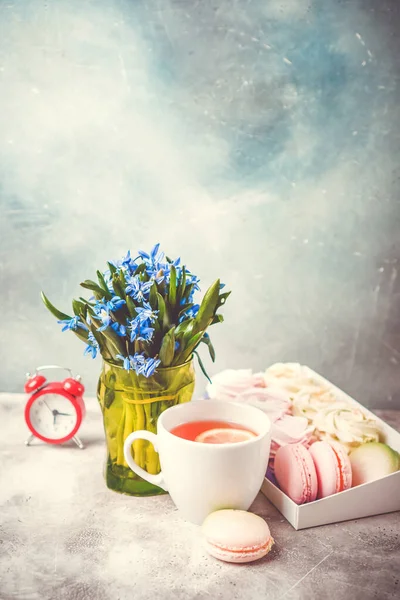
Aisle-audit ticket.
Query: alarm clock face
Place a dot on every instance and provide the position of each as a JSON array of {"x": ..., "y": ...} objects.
[{"x": 53, "y": 417}]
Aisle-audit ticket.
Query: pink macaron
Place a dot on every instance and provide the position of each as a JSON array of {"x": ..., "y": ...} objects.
[
  {"x": 333, "y": 468},
  {"x": 236, "y": 536},
  {"x": 295, "y": 473}
]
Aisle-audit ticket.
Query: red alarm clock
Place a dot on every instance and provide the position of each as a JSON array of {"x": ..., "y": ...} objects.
[{"x": 55, "y": 410}]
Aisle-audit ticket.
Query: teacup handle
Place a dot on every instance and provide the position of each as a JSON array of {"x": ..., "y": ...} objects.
[{"x": 150, "y": 437}]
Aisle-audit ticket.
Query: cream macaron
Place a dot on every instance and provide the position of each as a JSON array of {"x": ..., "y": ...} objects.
[{"x": 236, "y": 536}]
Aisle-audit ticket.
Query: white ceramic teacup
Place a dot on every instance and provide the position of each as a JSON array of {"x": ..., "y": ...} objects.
[{"x": 202, "y": 478}]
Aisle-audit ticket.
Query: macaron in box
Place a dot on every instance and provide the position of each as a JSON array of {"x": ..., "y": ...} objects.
[
  {"x": 322, "y": 473},
  {"x": 307, "y": 474}
]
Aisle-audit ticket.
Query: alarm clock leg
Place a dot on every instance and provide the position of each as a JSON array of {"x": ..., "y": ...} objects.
[
  {"x": 78, "y": 442},
  {"x": 29, "y": 440}
]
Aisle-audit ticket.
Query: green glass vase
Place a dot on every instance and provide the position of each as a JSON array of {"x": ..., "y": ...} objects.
[{"x": 130, "y": 402}]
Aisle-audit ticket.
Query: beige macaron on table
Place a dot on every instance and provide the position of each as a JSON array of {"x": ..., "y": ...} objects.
[{"x": 236, "y": 536}]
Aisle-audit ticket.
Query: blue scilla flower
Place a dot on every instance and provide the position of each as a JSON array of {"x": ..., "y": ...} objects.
[
  {"x": 146, "y": 313},
  {"x": 119, "y": 329},
  {"x": 166, "y": 271},
  {"x": 154, "y": 258},
  {"x": 155, "y": 263},
  {"x": 93, "y": 347},
  {"x": 138, "y": 360},
  {"x": 140, "y": 330},
  {"x": 140, "y": 364},
  {"x": 192, "y": 280},
  {"x": 127, "y": 361},
  {"x": 190, "y": 313},
  {"x": 115, "y": 303},
  {"x": 102, "y": 311},
  {"x": 99, "y": 306},
  {"x": 72, "y": 324},
  {"x": 138, "y": 290},
  {"x": 149, "y": 367},
  {"x": 128, "y": 262}
]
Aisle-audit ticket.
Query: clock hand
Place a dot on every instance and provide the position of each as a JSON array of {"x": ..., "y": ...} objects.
[
  {"x": 64, "y": 414},
  {"x": 47, "y": 405},
  {"x": 55, "y": 414}
]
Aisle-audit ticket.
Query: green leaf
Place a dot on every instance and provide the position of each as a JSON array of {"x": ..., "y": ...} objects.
[
  {"x": 123, "y": 284},
  {"x": 114, "y": 339},
  {"x": 206, "y": 340},
  {"x": 208, "y": 307},
  {"x": 217, "y": 319},
  {"x": 188, "y": 332},
  {"x": 87, "y": 302},
  {"x": 189, "y": 348},
  {"x": 184, "y": 328},
  {"x": 161, "y": 307},
  {"x": 54, "y": 311},
  {"x": 157, "y": 327},
  {"x": 162, "y": 287},
  {"x": 163, "y": 313},
  {"x": 116, "y": 283},
  {"x": 222, "y": 299},
  {"x": 188, "y": 290},
  {"x": 91, "y": 285},
  {"x": 103, "y": 285},
  {"x": 183, "y": 280},
  {"x": 181, "y": 286},
  {"x": 167, "y": 349},
  {"x": 153, "y": 296},
  {"x": 112, "y": 268},
  {"x": 131, "y": 306},
  {"x": 140, "y": 269},
  {"x": 202, "y": 366},
  {"x": 183, "y": 334},
  {"x": 172, "y": 287},
  {"x": 80, "y": 309},
  {"x": 184, "y": 309}
]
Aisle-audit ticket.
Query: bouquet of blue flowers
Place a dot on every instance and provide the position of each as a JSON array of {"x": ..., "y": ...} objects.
[
  {"x": 143, "y": 313},
  {"x": 144, "y": 320}
]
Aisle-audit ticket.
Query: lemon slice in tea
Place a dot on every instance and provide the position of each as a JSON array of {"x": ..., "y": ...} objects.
[{"x": 225, "y": 436}]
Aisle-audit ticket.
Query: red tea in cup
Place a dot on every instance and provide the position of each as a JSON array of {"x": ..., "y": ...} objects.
[{"x": 213, "y": 432}]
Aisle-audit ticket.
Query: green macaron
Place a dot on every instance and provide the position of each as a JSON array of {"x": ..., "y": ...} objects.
[{"x": 373, "y": 460}]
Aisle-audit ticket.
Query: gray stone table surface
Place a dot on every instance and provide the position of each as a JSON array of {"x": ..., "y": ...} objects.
[{"x": 64, "y": 535}]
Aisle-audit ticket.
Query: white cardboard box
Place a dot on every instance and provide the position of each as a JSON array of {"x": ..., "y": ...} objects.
[{"x": 374, "y": 498}]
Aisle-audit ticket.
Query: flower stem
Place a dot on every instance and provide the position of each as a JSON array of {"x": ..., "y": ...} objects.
[
  {"x": 120, "y": 437},
  {"x": 138, "y": 445},
  {"x": 152, "y": 462},
  {"x": 129, "y": 423}
]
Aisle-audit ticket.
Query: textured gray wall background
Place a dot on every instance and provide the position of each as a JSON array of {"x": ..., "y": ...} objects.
[{"x": 259, "y": 140}]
